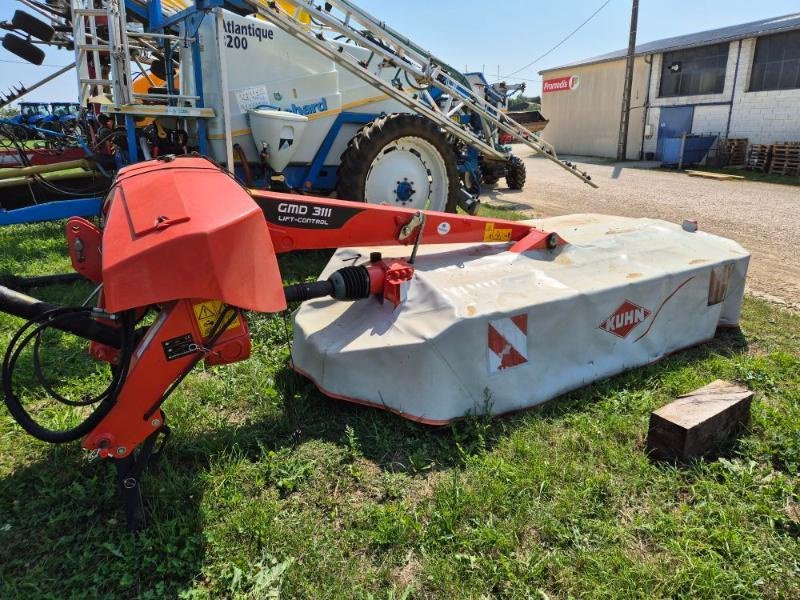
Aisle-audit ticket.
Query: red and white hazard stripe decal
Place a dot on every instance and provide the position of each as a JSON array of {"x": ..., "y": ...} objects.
[{"x": 508, "y": 343}]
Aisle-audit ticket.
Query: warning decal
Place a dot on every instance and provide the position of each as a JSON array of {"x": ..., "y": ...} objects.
[
  {"x": 508, "y": 343},
  {"x": 491, "y": 234},
  {"x": 207, "y": 315}
]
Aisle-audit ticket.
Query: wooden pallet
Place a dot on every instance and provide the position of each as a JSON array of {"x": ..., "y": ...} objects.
[
  {"x": 785, "y": 168},
  {"x": 785, "y": 159},
  {"x": 758, "y": 157},
  {"x": 733, "y": 152}
]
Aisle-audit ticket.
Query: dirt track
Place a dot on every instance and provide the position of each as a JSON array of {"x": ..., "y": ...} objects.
[{"x": 763, "y": 217}]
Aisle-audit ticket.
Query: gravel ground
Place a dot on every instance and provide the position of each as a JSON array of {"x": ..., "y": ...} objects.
[{"x": 763, "y": 217}]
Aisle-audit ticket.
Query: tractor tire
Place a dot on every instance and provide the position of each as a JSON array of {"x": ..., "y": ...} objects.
[
  {"x": 516, "y": 174},
  {"x": 396, "y": 160},
  {"x": 489, "y": 179}
]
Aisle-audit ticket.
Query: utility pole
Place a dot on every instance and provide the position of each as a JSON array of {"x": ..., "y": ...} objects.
[{"x": 624, "y": 121}]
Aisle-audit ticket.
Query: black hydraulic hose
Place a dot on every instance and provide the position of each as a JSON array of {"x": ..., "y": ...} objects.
[
  {"x": 31, "y": 331},
  {"x": 81, "y": 324},
  {"x": 25, "y": 283}
]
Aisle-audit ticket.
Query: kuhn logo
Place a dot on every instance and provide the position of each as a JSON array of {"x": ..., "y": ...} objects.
[
  {"x": 625, "y": 319},
  {"x": 560, "y": 84}
]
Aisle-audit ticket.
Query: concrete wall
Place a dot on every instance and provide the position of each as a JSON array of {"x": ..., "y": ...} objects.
[
  {"x": 585, "y": 121},
  {"x": 707, "y": 119},
  {"x": 761, "y": 117}
]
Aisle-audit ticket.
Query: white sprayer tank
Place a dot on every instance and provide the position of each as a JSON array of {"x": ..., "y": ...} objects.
[
  {"x": 266, "y": 66},
  {"x": 277, "y": 133}
]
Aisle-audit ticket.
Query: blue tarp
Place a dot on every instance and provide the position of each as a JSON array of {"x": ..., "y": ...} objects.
[{"x": 694, "y": 149}]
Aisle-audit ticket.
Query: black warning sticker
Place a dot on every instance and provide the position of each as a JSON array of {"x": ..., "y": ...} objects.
[
  {"x": 304, "y": 215},
  {"x": 179, "y": 347}
]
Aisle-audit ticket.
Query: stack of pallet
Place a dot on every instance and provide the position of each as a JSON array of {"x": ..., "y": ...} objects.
[
  {"x": 758, "y": 156},
  {"x": 785, "y": 159},
  {"x": 733, "y": 152}
]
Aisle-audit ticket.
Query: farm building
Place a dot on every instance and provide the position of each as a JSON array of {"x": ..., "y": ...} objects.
[{"x": 735, "y": 82}]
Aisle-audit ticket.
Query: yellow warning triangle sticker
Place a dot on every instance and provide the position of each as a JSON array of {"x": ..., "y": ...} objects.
[{"x": 206, "y": 313}]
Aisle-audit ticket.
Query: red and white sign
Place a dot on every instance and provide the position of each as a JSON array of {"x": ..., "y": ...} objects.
[
  {"x": 625, "y": 319},
  {"x": 561, "y": 84},
  {"x": 508, "y": 343}
]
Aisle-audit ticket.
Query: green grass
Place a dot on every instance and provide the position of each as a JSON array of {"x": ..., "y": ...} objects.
[
  {"x": 753, "y": 175},
  {"x": 268, "y": 486}
]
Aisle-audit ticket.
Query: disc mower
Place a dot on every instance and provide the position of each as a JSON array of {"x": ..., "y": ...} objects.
[{"x": 185, "y": 251}]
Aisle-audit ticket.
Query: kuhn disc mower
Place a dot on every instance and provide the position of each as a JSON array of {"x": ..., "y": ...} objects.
[{"x": 505, "y": 307}]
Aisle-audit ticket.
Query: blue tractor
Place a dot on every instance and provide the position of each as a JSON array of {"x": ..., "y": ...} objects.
[
  {"x": 31, "y": 114},
  {"x": 67, "y": 116}
]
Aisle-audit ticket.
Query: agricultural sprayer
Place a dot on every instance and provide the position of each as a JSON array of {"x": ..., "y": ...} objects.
[{"x": 297, "y": 97}]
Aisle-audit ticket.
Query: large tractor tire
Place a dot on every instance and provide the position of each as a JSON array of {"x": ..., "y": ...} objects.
[
  {"x": 489, "y": 178},
  {"x": 516, "y": 174},
  {"x": 401, "y": 160}
]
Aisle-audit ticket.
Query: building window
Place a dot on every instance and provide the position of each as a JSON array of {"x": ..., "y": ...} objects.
[
  {"x": 777, "y": 62},
  {"x": 694, "y": 71}
]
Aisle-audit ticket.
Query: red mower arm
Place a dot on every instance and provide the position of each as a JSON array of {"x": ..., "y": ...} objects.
[{"x": 305, "y": 223}]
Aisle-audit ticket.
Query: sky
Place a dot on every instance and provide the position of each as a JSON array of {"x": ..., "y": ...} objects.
[{"x": 496, "y": 35}]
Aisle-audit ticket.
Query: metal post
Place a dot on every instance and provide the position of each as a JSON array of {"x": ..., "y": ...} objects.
[
  {"x": 683, "y": 147},
  {"x": 133, "y": 147},
  {"x": 622, "y": 145},
  {"x": 226, "y": 104},
  {"x": 154, "y": 15},
  {"x": 197, "y": 67}
]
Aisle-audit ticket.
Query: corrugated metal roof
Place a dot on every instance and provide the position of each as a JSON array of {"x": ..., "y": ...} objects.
[{"x": 724, "y": 34}]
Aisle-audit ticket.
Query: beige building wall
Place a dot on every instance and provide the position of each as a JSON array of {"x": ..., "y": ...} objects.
[{"x": 585, "y": 121}]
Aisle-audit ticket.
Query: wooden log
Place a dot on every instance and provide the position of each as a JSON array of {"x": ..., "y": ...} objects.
[{"x": 698, "y": 423}]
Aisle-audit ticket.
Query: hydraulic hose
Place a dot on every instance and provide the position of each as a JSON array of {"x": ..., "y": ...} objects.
[
  {"x": 81, "y": 324},
  {"x": 76, "y": 320}
]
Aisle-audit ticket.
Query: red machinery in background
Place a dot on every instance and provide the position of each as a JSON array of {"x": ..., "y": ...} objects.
[{"x": 182, "y": 239}]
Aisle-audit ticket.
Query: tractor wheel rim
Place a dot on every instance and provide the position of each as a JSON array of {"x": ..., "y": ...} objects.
[{"x": 406, "y": 165}]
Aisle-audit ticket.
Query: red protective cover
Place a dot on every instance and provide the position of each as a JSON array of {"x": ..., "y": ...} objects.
[{"x": 178, "y": 229}]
